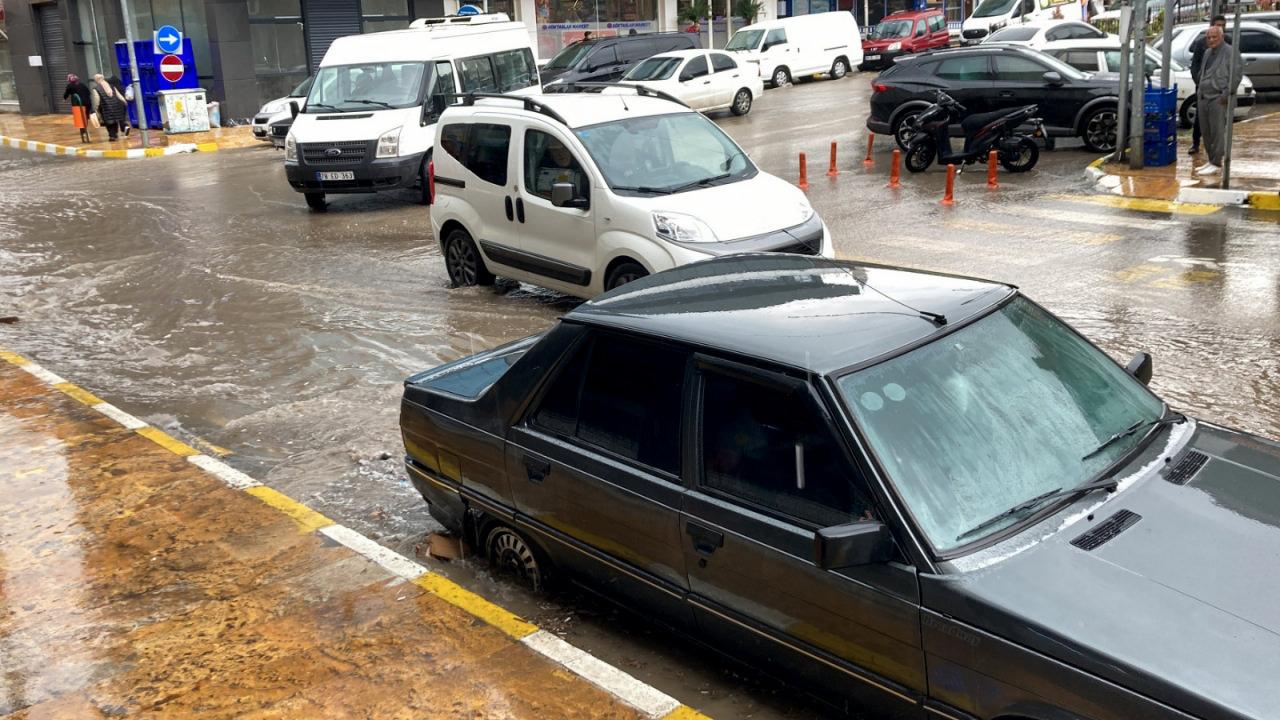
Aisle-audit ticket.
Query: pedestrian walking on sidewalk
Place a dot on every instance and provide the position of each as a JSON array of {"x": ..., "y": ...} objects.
[
  {"x": 110, "y": 106},
  {"x": 1219, "y": 77},
  {"x": 1197, "y": 62},
  {"x": 126, "y": 94},
  {"x": 81, "y": 104}
]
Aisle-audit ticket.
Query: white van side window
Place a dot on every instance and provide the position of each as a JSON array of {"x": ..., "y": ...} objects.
[
  {"x": 547, "y": 162},
  {"x": 776, "y": 36},
  {"x": 442, "y": 89},
  {"x": 516, "y": 69},
  {"x": 477, "y": 74},
  {"x": 482, "y": 148}
]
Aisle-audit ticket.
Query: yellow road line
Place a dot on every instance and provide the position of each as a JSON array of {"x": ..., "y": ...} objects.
[
  {"x": 308, "y": 520},
  {"x": 684, "y": 712},
  {"x": 13, "y": 358},
  {"x": 1142, "y": 204},
  {"x": 1079, "y": 237},
  {"x": 454, "y": 594},
  {"x": 78, "y": 393},
  {"x": 1264, "y": 201},
  {"x": 167, "y": 441}
]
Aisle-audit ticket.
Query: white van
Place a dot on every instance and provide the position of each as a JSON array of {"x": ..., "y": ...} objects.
[
  {"x": 369, "y": 121},
  {"x": 801, "y": 46},
  {"x": 582, "y": 192}
]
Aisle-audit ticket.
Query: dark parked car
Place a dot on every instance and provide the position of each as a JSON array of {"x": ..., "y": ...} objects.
[
  {"x": 913, "y": 492},
  {"x": 985, "y": 79},
  {"x": 608, "y": 58}
]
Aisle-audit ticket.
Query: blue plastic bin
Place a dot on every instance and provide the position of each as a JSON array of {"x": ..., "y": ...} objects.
[
  {"x": 1159, "y": 154},
  {"x": 1160, "y": 102},
  {"x": 1162, "y": 131}
]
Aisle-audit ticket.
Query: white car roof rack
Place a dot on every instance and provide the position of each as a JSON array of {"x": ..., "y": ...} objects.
[{"x": 453, "y": 20}]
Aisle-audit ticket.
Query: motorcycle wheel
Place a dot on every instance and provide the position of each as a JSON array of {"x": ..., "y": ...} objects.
[
  {"x": 1022, "y": 158},
  {"x": 920, "y": 156}
]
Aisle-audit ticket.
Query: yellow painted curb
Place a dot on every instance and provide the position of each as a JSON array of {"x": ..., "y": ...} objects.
[
  {"x": 78, "y": 393},
  {"x": 167, "y": 441},
  {"x": 464, "y": 599},
  {"x": 308, "y": 520},
  {"x": 684, "y": 712},
  {"x": 13, "y": 358},
  {"x": 1143, "y": 204},
  {"x": 207, "y": 147},
  {"x": 1264, "y": 201}
]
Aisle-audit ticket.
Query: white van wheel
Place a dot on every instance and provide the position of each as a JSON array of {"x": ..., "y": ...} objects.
[
  {"x": 623, "y": 274},
  {"x": 781, "y": 76},
  {"x": 839, "y": 68},
  {"x": 463, "y": 262},
  {"x": 741, "y": 102},
  {"x": 425, "y": 197},
  {"x": 315, "y": 201}
]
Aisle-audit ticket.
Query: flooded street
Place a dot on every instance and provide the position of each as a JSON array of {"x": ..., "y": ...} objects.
[{"x": 200, "y": 294}]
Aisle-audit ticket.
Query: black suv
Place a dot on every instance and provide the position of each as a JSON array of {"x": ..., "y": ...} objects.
[
  {"x": 923, "y": 495},
  {"x": 984, "y": 79},
  {"x": 608, "y": 58}
]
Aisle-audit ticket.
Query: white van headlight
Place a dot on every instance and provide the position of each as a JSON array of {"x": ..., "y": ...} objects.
[
  {"x": 678, "y": 227},
  {"x": 389, "y": 144},
  {"x": 272, "y": 107},
  {"x": 290, "y": 149}
]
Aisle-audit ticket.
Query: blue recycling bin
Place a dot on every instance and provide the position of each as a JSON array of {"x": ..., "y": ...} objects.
[
  {"x": 1160, "y": 126},
  {"x": 150, "y": 79}
]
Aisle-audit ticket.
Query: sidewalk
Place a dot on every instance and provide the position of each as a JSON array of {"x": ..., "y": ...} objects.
[
  {"x": 1255, "y": 171},
  {"x": 56, "y": 135},
  {"x": 138, "y": 577}
]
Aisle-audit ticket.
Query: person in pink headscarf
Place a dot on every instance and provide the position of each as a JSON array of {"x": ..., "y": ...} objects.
[{"x": 81, "y": 97}]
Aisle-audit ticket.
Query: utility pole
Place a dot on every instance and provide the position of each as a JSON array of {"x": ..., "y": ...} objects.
[
  {"x": 1165, "y": 50},
  {"x": 1122, "y": 110},
  {"x": 1231, "y": 100},
  {"x": 133, "y": 73},
  {"x": 1138, "y": 64}
]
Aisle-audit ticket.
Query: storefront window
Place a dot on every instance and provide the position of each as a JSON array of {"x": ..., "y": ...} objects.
[
  {"x": 8, "y": 90},
  {"x": 279, "y": 57},
  {"x": 382, "y": 15},
  {"x": 561, "y": 22}
]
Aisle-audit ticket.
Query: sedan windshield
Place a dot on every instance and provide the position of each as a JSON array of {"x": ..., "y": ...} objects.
[
  {"x": 568, "y": 56},
  {"x": 893, "y": 29},
  {"x": 745, "y": 40},
  {"x": 662, "y": 154},
  {"x": 655, "y": 68},
  {"x": 992, "y": 8},
  {"x": 992, "y": 415},
  {"x": 369, "y": 86}
]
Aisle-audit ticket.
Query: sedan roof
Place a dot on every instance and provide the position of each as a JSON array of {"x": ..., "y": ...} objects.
[{"x": 805, "y": 312}]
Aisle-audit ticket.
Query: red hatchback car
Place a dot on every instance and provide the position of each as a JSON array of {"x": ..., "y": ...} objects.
[{"x": 904, "y": 33}]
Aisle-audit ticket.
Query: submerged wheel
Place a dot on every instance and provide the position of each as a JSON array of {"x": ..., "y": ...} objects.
[
  {"x": 919, "y": 157},
  {"x": 1099, "y": 129},
  {"x": 463, "y": 262},
  {"x": 1022, "y": 158},
  {"x": 315, "y": 201},
  {"x": 509, "y": 553},
  {"x": 623, "y": 274},
  {"x": 781, "y": 76},
  {"x": 902, "y": 128},
  {"x": 741, "y": 102},
  {"x": 839, "y": 68}
]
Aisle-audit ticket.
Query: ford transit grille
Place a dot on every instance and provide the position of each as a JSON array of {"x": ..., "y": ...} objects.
[
  {"x": 335, "y": 154},
  {"x": 1106, "y": 530}
]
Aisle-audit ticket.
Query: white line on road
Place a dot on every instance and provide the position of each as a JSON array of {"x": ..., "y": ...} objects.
[
  {"x": 645, "y": 698},
  {"x": 390, "y": 560}
]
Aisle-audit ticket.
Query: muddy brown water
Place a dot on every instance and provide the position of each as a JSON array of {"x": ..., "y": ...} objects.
[{"x": 200, "y": 294}]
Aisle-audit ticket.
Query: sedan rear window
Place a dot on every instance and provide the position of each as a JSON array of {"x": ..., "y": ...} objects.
[{"x": 1013, "y": 34}]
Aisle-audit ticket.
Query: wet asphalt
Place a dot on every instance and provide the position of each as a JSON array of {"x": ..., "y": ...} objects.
[{"x": 200, "y": 294}]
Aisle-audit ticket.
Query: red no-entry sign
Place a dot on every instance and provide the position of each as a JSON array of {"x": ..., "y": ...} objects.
[{"x": 171, "y": 68}]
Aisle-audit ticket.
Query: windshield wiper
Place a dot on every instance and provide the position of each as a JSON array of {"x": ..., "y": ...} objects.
[
  {"x": 320, "y": 105},
  {"x": 1107, "y": 484},
  {"x": 643, "y": 189},
  {"x": 700, "y": 183},
  {"x": 370, "y": 102},
  {"x": 1173, "y": 419}
]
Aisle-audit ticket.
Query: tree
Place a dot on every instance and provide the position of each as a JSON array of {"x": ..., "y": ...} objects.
[
  {"x": 748, "y": 10},
  {"x": 695, "y": 12}
]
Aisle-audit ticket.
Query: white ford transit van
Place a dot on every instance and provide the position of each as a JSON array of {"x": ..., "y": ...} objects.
[
  {"x": 583, "y": 192},
  {"x": 369, "y": 121},
  {"x": 800, "y": 46}
]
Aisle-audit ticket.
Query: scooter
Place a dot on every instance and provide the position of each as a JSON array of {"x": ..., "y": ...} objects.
[{"x": 930, "y": 139}]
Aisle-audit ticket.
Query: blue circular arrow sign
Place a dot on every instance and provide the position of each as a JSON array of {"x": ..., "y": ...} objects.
[
  {"x": 169, "y": 39},
  {"x": 469, "y": 10}
]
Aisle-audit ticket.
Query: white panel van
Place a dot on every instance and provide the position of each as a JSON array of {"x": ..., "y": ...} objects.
[
  {"x": 369, "y": 121},
  {"x": 801, "y": 46}
]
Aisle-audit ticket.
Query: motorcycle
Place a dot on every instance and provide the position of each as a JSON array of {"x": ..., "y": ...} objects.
[{"x": 930, "y": 138}]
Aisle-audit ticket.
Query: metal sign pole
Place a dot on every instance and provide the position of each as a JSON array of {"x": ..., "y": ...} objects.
[
  {"x": 1137, "y": 64},
  {"x": 133, "y": 73},
  {"x": 1122, "y": 112},
  {"x": 1166, "y": 49},
  {"x": 1231, "y": 101}
]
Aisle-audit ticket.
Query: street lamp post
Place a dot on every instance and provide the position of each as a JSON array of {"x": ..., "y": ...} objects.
[{"x": 133, "y": 73}]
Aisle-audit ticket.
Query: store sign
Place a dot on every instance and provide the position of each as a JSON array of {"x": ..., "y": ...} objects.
[{"x": 630, "y": 25}]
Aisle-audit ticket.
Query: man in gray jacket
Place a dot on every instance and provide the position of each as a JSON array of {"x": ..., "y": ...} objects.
[{"x": 1219, "y": 76}]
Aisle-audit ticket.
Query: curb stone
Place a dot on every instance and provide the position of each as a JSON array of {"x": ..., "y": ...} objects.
[
  {"x": 129, "y": 154},
  {"x": 1107, "y": 183}
]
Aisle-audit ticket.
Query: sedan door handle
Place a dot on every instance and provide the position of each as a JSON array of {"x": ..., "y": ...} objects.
[
  {"x": 705, "y": 540},
  {"x": 537, "y": 470},
  {"x": 1006, "y": 93}
]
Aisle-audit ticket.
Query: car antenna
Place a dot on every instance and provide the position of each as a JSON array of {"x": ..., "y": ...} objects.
[{"x": 937, "y": 318}]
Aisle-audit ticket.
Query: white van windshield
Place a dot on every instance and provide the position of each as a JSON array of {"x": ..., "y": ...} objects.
[
  {"x": 655, "y": 68},
  {"x": 347, "y": 88},
  {"x": 745, "y": 40},
  {"x": 993, "y": 8},
  {"x": 663, "y": 154}
]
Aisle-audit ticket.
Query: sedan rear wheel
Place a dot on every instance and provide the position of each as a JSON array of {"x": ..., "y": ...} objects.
[
  {"x": 742, "y": 102},
  {"x": 1099, "y": 131},
  {"x": 509, "y": 553},
  {"x": 903, "y": 128}
]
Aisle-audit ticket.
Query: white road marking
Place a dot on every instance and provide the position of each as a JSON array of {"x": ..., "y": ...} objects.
[
  {"x": 223, "y": 472},
  {"x": 645, "y": 698},
  {"x": 44, "y": 375},
  {"x": 119, "y": 415},
  {"x": 391, "y": 561}
]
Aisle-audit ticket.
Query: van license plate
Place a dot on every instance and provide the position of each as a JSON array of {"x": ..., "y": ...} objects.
[
  {"x": 871, "y": 57},
  {"x": 347, "y": 175}
]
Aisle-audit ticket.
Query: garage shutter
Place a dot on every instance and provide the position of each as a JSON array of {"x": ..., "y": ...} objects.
[
  {"x": 54, "y": 45},
  {"x": 326, "y": 21}
]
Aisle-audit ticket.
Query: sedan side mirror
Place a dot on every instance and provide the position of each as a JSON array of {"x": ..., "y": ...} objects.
[
  {"x": 866, "y": 542},
  {"x": 562, "y": 196},
  {"x": 1052, "y": 78},
  {"x": 1140, "y": 367},
  {"x": 293, "y": 109}
]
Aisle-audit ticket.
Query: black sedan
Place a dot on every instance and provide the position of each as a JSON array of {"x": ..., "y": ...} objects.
[
  {"x": 909, "y": 492},
  {"x": 989, "y": 78}
]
